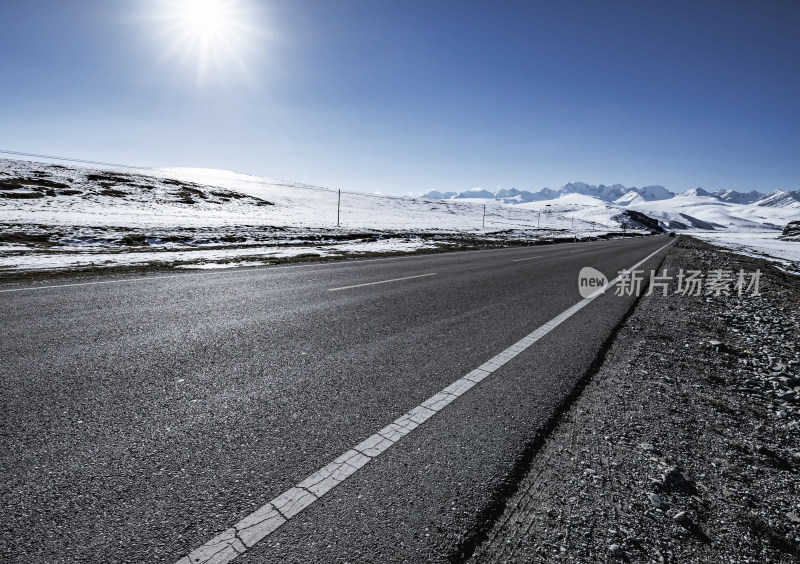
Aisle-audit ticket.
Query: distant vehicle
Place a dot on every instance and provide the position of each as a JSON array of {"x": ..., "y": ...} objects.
[{"x": 671, "y": 234}]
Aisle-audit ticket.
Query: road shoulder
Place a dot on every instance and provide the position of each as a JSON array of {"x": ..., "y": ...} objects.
[{"x": 683, "y": 446}]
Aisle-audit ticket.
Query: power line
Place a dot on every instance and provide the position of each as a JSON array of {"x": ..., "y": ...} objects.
[{"x": 70, "y": 159}]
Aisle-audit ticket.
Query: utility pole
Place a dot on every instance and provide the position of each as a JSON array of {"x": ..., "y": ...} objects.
[
  {"x": 483, "y": 224},
  {"x": 338, "y": 207},
  {"x": 539, "y": 220}
]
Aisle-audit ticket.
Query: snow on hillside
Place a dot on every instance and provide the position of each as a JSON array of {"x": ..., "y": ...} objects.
[
  {"x": 584, "y": 210},
  {"x": 601, "y": 192},
  {"x": 475, "y": 193},
  {"x": 56, "y": 195},
  {"x": 762, "y": 245},
  {"x": 465, "y": 213},
  {"x": 215, "y": 257},
  {"x": 735, "y": 197},
  {"x": 436, "y": 195},
  {"x": 55, "y": 215},
  {"x": 691, "y": 211},
  {"x": 630, "y": 198},
  {"x": 781, "y": 199},
  {"x": 48, "y": 210},
  {"x": 696, "y": 193},
  {"x": 650, "y": 193},
  {"x": 619, "y": 195}
]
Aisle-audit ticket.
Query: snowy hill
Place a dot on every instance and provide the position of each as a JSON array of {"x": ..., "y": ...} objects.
[
  {"x": 650, "y": 193},
  {"x": 32, "y": 193},
  {"x": 73, "y": 215},
  {"x": 38, "y": 193},
  {"x": 622, "y": 196},
  {"x": 55, "y": 216},
  {"x": 735, "y": 197},
  {"x": 630, "y": 198},
  {"x": 601, "y": 192},
  {"x": 690, "y": 211},
  {"x": 693, "y": 209},
  {"x": 696, "y": 193},
  {"x": 55, "y": 195},
  {"x": 475, "y": 193},
  {"x": 780, "y": 199},
  {"x": 514, "y": 196},
  {"x": 784, "y": 253},
  {"x": 436, "y": 195}
]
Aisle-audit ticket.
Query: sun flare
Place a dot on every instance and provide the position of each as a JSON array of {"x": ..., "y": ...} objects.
[
  {"x": 214, "y": 36},
  {"x": 206, "y": 17}
]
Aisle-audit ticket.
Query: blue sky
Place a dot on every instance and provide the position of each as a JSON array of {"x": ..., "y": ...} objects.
[{"x": 406, "y": 96}]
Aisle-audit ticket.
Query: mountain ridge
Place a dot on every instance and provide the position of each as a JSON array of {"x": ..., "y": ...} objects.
[{"x": 623, "y": 196}]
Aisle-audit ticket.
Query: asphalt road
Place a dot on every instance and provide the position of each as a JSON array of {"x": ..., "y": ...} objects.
[{"x": 144, "y": 416}]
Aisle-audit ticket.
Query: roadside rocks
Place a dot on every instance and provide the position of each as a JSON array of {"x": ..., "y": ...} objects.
[
  {"x": 675, "y": 480},
  {"x": 682, "y": 518},
  {"x": 692, "y": 420},
  {"x": 657, "y": 502}
]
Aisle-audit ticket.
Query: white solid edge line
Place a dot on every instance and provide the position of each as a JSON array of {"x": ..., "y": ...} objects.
[
  {"x": 381, "y": 282},
  {"x": 236, "y": 540}
]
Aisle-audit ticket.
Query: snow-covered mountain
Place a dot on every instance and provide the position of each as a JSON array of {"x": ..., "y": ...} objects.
[
  {"x": 76, "y": 197},
  {"x": 645, "y": 194},
  {"x": 780, "y": 199},
  {"x": 655, "y": 192},
  {"x": 735, "y": 197},
  {"x": 620, "y": 195},
  {"x": 475, "y": 193},
  {"x": 693, "y": 209},
  {"x": 514, "y": 196},
  {"x": 436, "y": 195},
  {"x": 696, "y": 193},
  {"x": 88, "y": 204},
  {"x": 630, "y": 198},
  {"x": 600, "y": 191}
]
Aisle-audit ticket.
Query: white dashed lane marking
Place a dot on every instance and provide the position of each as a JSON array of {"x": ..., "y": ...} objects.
[
  {"x": 236, "y": 540},
  {"x": 382, "y": 282},
  {"x": 526, "y": 258}
]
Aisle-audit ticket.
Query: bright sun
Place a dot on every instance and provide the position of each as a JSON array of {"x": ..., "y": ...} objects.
[
  {"x": 206, "y": 17},
  {"x": 214, "y": 35}
]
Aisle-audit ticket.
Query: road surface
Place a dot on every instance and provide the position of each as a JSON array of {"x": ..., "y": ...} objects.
[{"x": 145, "y": 416}]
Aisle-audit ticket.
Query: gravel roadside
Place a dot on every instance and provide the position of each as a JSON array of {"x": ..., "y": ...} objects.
[{"x": 684, "y": 446}]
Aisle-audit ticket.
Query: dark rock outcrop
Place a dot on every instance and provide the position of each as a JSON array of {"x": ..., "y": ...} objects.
[{"x": 791, "y": 232}]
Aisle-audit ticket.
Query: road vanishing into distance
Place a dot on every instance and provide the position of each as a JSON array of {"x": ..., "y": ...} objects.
[{"x": 291, "y": 413}]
